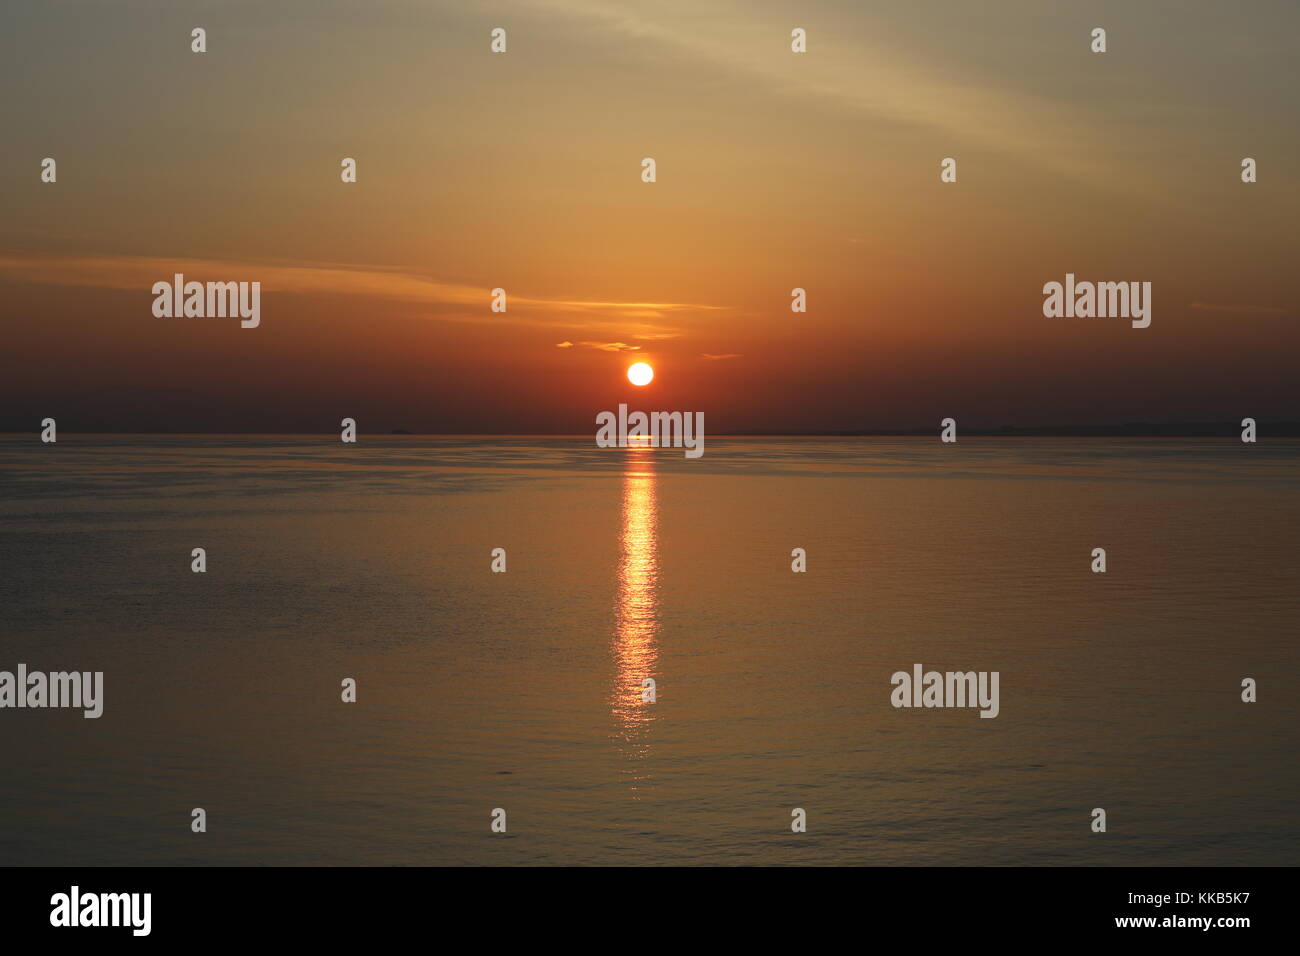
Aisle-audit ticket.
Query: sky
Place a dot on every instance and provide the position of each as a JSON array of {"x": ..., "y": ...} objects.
[{"x": 522, "y": 171}]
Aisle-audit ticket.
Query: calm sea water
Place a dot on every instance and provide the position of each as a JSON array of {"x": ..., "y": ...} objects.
[{"x": 523, "y": 690}]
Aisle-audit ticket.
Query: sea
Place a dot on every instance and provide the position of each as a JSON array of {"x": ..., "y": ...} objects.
[{"x": 503, "y": 717}]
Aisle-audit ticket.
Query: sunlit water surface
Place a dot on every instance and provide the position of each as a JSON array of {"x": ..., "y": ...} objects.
[{"x": 526, "y": 690}]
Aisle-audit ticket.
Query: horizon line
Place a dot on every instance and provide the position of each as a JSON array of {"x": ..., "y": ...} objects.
[{"x": 1281, "y": 429}]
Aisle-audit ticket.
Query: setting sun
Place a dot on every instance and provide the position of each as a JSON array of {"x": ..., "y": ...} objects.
[{"x": 640, "y": 374}]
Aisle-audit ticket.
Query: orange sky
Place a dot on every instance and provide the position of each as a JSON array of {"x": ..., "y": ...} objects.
[{"x": 522, "y": 170}]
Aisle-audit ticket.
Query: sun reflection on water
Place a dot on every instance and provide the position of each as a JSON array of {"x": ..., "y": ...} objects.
[{"x": 635, "y": 613}]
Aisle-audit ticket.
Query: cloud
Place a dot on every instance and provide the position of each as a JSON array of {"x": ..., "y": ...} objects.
[
  {"x": 881, "y": 80},
  {"x": 602, "y": 346},
  {"x": 451, "y": 301},
  {"x": 718, "y": 358}
]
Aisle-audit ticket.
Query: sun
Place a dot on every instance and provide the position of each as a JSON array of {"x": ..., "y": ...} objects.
[{"x": 640, "y": 374}]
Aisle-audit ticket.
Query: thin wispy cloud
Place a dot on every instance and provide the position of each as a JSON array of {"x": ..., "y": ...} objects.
[
  {"x": 601, "y": 346},
  {"x": 880, "y": 81},
  {"x": 649, "y": 320}
]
